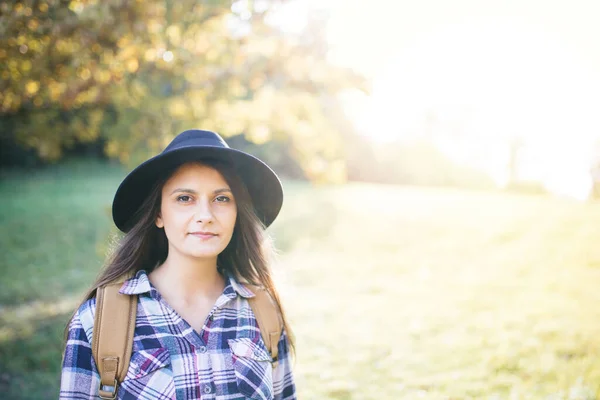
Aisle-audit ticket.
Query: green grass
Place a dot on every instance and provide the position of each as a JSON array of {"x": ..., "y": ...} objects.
[
  {"x": 54, "y": 227},
  {"x": 394, "y": 292}
]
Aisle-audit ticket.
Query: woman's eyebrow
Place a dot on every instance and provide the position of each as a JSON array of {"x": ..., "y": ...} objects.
[
  {"x": 184, "y": 190},
  {"x": 192, "y": 191}
]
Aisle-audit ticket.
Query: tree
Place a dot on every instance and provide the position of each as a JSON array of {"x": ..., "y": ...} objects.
[{"x": 137, "y": 73}]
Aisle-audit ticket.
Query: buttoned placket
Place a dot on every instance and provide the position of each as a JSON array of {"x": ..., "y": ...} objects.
[{"x": 206, "y": 386}]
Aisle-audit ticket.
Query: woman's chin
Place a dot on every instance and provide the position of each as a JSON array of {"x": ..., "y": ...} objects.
[{"x": 203, "y": 253}]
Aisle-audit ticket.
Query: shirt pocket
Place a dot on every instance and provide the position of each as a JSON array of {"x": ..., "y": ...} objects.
[
  {"x": 149, "y": 376},
  {"x": 253, "y": 370}
]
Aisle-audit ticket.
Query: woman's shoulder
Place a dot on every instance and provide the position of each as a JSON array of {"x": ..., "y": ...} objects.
[
  {"x": 87, "y": 310},
  {"x": 83, "y": 320},
  {"x": 84, "y": 316}
]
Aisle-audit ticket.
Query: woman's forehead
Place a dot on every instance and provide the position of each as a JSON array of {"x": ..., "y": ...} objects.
[{"x": 196, "y": 175}]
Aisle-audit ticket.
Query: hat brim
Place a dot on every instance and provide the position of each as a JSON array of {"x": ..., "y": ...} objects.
[{"x": 262, "y": 183}]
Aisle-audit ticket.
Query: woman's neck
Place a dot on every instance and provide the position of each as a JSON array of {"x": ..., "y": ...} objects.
[{"x": 187, "y": 278}]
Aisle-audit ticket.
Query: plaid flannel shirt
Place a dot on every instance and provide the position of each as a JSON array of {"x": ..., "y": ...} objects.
[{"x": 226, "y": 360}]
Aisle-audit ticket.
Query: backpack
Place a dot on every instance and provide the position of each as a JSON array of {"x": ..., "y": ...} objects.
[{"x": 114, "y": 325}]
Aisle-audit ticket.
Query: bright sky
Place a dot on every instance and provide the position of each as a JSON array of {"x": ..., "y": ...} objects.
[
  {"x": 486, "y": 71},
  {"x": 522, "y": 58}
]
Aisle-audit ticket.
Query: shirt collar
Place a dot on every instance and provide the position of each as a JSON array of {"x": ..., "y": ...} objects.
[
  {"x": 240, "y": 289},
  {"x": 136, "y": 285},
  {"x": 141, "y": 284}
]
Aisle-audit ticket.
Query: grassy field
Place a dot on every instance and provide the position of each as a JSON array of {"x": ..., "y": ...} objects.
[{"x": 394, "y": 292}]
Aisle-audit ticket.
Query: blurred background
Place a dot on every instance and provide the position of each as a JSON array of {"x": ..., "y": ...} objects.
[{"x": 441, "y": 161}]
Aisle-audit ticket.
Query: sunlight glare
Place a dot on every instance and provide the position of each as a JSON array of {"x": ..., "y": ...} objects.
[{"x": 476, "y": 86}]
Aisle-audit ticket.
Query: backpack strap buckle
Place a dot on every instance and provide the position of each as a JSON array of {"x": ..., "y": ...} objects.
[{"x": 107, "y": 392}]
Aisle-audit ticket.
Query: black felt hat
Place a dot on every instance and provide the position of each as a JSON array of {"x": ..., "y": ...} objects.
[{"x": 193, "y": 145}]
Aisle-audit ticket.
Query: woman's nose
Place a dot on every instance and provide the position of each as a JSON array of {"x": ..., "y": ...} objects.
[{"x": 203, "y": 211}]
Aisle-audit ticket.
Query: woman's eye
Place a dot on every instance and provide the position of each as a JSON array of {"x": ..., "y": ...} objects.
[
  {"x": 222, "y": 199},
  {"x": 184, "y": 199}
]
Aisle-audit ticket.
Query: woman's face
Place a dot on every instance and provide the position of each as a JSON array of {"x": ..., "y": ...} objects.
[{"x": 197, "y": 211}]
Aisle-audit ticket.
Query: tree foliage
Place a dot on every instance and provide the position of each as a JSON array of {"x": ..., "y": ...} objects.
[{"x": 135, "y": 73}]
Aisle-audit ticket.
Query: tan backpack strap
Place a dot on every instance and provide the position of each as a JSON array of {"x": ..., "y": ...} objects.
[
  {"x": 112, "y": 340},
  {"x": 268, "y": 319}
]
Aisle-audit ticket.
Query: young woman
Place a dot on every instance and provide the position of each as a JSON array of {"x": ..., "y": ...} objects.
[{"x": 194, "y": 219}]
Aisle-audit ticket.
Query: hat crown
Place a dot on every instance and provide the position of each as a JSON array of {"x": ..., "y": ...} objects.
[{"x": 196, "y": 137}]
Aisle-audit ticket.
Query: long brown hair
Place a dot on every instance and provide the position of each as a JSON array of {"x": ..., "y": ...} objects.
[{"x": 145, "y": 246}]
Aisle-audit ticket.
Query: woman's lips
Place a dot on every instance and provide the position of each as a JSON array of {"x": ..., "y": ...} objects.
[{"x": 204, "y": 235}]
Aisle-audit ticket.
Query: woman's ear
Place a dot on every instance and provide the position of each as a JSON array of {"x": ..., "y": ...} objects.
[{"x": 159, "y": 222}]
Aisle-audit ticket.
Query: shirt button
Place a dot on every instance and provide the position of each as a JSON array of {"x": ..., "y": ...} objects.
[
  {"x": 202, "y": 350},
  {"x": 207, "y": 389}
]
